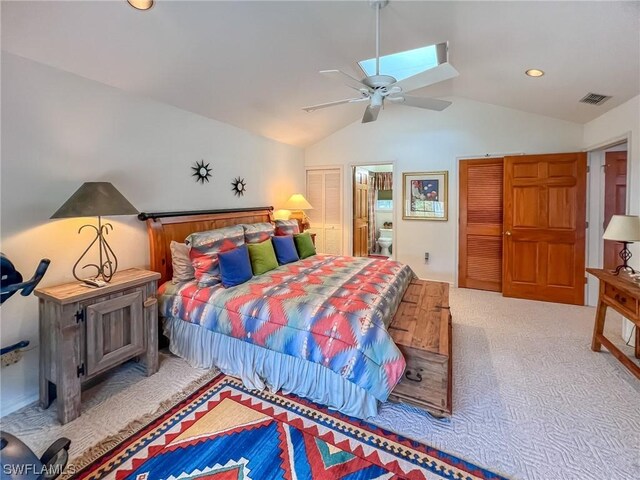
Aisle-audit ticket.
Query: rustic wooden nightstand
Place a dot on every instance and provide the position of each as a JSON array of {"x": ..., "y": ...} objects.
[{"x": 85, "y": 331}]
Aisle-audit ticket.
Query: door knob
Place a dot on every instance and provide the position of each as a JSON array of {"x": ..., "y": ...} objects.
[{"x": 508, "y": 233}]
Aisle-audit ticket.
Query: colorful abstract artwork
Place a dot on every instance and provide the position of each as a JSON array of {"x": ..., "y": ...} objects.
[
  {"x": 227, "y": 432},
  {"x": 425, "y": 196}
]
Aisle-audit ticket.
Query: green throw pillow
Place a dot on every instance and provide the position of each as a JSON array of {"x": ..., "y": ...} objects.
[
  {"x": 263, "y": 257},
  {"x": 304, "y": 245}
]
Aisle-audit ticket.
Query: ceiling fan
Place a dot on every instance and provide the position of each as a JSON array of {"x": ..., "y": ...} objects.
[{"x": 375, "y": 89}]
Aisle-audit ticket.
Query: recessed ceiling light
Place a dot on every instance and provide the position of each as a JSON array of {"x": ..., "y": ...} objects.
[
  {"x": 534, "y": 72},
  {"x": 141, "y": 4}
]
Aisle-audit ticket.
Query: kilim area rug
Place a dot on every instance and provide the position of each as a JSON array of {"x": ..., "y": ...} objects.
[{"x": 225, "y": 431}]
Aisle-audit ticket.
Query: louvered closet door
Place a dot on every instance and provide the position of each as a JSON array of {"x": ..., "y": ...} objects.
[
  {"x": 324, "y": 193},
  {"x": 315, "y": 196},
  {"x": 480, "y": 244}
]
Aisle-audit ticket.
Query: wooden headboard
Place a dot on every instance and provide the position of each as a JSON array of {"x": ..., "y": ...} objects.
[{"x": 164, "y": 227}]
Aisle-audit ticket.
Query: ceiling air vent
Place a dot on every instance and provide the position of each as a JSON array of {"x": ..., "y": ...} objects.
[{"x": 594, "y": 98}]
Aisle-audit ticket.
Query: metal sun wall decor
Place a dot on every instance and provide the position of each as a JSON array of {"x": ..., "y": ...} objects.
[
  {"x": 239, "y": 186},
  {"x": 201, "y": 171}
]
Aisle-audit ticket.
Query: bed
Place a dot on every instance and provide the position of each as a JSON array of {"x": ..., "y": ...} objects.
[{"x": 316, "y": 328}]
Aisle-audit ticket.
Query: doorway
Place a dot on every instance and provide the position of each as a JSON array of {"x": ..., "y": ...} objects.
[
  {"x": 373, "y": 211},
  {"x": 608, "y": 196},
  {"x": 523, "y": 225}
]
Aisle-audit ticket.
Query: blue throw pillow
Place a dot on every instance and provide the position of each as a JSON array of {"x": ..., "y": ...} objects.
[
  {"x": 235, "y": 266},
  {"x": 285, "y": 249}
]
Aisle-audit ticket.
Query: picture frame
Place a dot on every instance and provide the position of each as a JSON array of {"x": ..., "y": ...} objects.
[{"x": 424, "y": 196}]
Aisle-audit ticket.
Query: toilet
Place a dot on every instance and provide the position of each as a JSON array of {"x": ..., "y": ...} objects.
[{"x": 384, "y": 241}]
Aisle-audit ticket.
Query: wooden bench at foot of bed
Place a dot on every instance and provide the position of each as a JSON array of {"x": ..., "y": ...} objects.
[{"x": 422, "y": 330}]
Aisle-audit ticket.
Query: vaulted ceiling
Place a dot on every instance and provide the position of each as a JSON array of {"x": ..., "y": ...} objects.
[{"x": 255, "y": 64}]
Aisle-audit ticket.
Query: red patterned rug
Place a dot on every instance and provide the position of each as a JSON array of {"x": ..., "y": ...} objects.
[{"x": 227, "y": 432}]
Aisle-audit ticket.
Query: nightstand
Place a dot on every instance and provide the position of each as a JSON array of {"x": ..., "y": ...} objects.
[{"x": 85, "y": 331}]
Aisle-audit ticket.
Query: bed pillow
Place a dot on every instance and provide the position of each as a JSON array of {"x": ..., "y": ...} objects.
[
  {"x": 287, "y": 227},
  {"x": 263, "y": 257},
  {"x": 205, "y": 247},
  {"x": 285, "y": 249},
  {"x": 235, "y": 266},
  {"x": 181, "y": 263},
  {"x": 304, "y": 245},
  {"x": 258, "y": 232}
]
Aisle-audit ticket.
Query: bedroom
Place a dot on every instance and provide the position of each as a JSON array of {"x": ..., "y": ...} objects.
[{"x": 140, "y": 99}]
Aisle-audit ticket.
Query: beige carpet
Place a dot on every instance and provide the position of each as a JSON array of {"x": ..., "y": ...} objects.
[{"x": 530, "y": 398}]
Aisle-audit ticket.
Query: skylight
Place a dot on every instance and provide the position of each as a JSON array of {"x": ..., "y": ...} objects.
[{"x": 405, "y": 64}]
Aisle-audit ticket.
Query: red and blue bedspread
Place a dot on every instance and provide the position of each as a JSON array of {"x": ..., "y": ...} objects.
[{"x": 330, "y": 310}]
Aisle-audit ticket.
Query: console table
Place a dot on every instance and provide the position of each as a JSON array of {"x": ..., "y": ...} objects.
[{"x": 624, "y": 297}]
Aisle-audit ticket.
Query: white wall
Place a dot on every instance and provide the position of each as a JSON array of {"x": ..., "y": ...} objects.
[
  {"x": 419, "y": 140},
  {"x": 60, "y": 130},
  {"x": 621, "y": 122}
]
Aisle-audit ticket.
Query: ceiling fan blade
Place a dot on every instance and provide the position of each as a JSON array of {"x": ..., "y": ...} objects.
[
  {"x": 442, "y": 72},
  {"x": 370, "y": 114},
  {"x": 346, "y": 79},
  {"x": 331, "y": 104},
  {"x": 421, "y": 102}
]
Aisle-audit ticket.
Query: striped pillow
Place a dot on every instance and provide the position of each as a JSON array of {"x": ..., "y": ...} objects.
[
  {"x": 287, "y": 227},
  {"x": 205, "y": 247},
  {"x": 258, "y": 232}
]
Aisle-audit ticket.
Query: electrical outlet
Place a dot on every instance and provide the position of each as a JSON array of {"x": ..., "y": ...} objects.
[{"x": 426, "y": 257}]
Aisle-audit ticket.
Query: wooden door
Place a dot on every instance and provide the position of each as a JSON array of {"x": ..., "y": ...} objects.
[
  {"x": 324, "y": 192},
  {"x": 544, "y": 227},
  {"x": 360, "y": 212},
  {"x": 615, "y": 200},
  {"x": 480, "y": 236}
]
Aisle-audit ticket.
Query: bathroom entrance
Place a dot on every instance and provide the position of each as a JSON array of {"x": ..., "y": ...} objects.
[{"x": 373, "y": 210}]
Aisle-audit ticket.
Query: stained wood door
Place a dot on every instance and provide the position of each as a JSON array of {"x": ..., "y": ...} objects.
[
  {"x": 324, "y": 192},
  {"x": 480, "y": 237},
  {"x": 544, "y": 227},
  {"x": 360, "y": 212},
  {"x": 615, "y": 200}
]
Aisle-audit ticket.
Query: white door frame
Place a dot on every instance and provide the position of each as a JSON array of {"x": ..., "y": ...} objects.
[{"x": 394, "y": 198}]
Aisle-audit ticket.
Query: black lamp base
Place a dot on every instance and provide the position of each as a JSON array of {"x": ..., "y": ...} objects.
[
  {"x": 108, "y": 263},
  {"x": 625, "y": 255}
]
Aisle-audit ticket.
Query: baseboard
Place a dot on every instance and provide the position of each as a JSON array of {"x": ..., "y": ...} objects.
[{"x": 11, "y": 406}]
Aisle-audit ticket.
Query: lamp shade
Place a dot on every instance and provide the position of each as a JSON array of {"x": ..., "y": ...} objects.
[
  {"x": 623, "y": 228},
  {"x": 95, "y": 199},
  {"x": 297, "y": 202}
]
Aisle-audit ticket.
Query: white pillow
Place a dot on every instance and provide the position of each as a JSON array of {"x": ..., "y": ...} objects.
[{"x": 181, "y": 263}]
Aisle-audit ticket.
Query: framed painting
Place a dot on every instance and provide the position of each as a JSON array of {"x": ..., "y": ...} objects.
[{"x": 424, "y": 195}]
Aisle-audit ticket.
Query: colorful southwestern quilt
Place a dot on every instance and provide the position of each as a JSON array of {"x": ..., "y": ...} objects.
[
  {"x": 329, "y": 310},
  {"x": 227, "y": 432}
]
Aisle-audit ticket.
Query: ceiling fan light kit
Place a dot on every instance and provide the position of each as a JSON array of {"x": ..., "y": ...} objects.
[{"x": 375, "y": 89}]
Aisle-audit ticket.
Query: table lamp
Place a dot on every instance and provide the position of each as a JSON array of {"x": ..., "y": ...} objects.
[
  {"x": 624, "y": 229},
  {"x": 97, "y": 199},
  {"x": 297, "y": 203}
]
